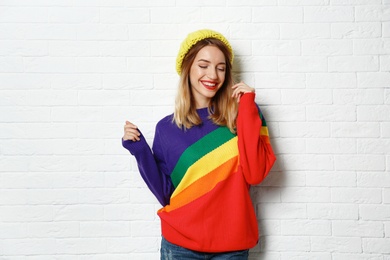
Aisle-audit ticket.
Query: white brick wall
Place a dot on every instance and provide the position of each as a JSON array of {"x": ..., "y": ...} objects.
[{"x": 71, "y": 73}]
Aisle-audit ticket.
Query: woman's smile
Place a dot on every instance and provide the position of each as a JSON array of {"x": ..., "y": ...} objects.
[{"x": 210, "y": 85}]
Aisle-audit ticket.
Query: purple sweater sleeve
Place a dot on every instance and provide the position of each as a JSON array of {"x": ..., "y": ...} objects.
[{"x": 151, "y": 168}]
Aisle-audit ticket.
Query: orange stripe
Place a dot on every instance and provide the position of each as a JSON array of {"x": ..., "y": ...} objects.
[
  {"x": 266, "y": 139},
  {"x": 203, "y": 185},
  {"x": 264, "y": 134}
]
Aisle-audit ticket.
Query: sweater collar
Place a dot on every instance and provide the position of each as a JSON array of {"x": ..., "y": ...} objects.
[{"x": 203, "y": 112}]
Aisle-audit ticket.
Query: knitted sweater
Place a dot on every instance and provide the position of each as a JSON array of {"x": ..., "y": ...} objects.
[{"x": 202, "y": 177}]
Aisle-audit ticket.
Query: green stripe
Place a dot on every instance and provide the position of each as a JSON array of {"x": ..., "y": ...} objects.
[
  {"x": 197, "y": 150},
  {"x": 263, "y": 122}
]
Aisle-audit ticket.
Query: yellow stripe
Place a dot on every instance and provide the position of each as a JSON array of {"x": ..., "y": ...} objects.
[
  {"x": 264, "y": 131},
  {"x": 203, "y": 185},
  {"x": 208, "y": 163}
]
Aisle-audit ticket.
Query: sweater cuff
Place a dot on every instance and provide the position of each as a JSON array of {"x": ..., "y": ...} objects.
[
  {"x": 134, "y": 147},
  {"x": 247, "y": 99}
]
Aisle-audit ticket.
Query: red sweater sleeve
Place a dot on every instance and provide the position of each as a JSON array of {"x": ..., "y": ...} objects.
[{"x": 256, "y": 154}]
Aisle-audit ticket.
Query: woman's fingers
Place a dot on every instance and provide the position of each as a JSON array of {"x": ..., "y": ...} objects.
[
  {"x": 131, "y": 132},
  {"x": 240, "y": 89}
]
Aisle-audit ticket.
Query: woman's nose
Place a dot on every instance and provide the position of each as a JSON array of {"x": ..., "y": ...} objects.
[{"x": 212, "y": 73}]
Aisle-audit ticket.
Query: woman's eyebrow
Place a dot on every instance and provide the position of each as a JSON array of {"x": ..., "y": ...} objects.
[{"x": 222, "y": 63}]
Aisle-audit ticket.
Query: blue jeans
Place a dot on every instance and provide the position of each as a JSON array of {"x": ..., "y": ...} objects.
[{"x": 170, "y": 251}]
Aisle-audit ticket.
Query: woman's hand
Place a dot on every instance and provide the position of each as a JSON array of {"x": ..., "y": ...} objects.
[
  {"x": 131, "y": 132},
  {"x": 240, "y": 89}
]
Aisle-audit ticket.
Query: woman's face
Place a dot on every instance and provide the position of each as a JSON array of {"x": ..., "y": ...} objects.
[{"x": 207, "y": 74}]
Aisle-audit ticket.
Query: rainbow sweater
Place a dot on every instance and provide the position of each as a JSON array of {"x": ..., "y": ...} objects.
[{"x": 202, "y": 177}]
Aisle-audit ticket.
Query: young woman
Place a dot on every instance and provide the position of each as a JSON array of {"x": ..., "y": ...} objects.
[{"x": 205, "y": 156}]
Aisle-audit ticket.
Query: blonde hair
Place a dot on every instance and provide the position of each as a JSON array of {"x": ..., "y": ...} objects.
[{"x": 222, "y": 108}]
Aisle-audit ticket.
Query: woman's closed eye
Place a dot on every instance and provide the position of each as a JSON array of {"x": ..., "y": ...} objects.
[{"x": 218, "y": 68}]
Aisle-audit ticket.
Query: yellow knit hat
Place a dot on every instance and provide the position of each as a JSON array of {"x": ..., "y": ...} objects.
[{"x": 195, "y": 37}]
